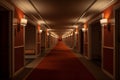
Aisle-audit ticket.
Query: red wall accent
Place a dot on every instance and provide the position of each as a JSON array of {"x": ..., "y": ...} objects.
[
  {"x": 108, "y": 37},
  {"x": 108, "y": 12},
  {"x": 18, "y": 35},
  {"x": 19, "y": 58},
  {"x": 18, "y": 41},
  {"x": 86, "y": 36},
  {"x": 86, "y": 49},
  {"x": 108, "y": 60},
  {"x": 108, "y": 41},
  {"x": 38, "y": 49},
  {"x": 38, "y": 40},
  {"x": 38, "y": 34},
  {"x": 18, "y": 13},
  {"x": 86, "y": 43}
]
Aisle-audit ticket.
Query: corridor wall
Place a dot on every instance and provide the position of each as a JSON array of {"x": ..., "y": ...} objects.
[
  {"x": 108, "y": 46},
  {"x": 18, "y": 42}
]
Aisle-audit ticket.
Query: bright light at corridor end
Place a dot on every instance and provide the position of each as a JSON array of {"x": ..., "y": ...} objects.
[
  {"x": 68, "y": 34},
  {"x": 54, "y": 35}
]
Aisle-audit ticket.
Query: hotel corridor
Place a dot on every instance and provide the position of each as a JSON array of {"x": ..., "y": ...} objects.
[
  {"x": 61, "y": 63},
  {"x": 60, "y": 39}
]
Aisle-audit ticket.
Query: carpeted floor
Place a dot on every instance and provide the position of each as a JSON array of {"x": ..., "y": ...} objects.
[{"x": 60, "y": 64}]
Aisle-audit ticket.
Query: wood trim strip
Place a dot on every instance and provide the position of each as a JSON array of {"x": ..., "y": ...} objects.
[
  {"x": 107, "y": 73},
  {"x": 19, "y": 46},
  {"x": 108, "y": 47},
  {"x": 17, "y": 72}
]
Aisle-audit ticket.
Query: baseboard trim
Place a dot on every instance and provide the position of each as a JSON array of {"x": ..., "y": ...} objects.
[
  {"x": 107, "y": 73},
  {"x": 17, "y": 72},
  {"x": 30, "y": 56},
  {"x": 87, "y": 57}
]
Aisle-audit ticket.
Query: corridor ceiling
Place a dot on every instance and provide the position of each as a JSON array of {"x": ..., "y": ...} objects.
[{"x": 61, "y": 15}]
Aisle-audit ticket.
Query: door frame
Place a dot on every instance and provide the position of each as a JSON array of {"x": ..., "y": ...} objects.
[
  {"x": 10, "y": 9},
  {"x": 89, "y": 36},
  {"x": 116, "y": 51},
  {"x": 91, "y": 42}
]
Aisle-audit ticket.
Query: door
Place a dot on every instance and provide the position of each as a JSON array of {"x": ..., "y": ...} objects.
[
  {"x": 95, "y": 42},
  {"x": 117, "y": 44},
  {"x": 81, "y": 42},
  {"x": 4, "y": 44}
]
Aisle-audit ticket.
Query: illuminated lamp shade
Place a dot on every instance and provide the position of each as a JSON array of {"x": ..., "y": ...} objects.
[
  {"x": 47, "y": 34},
  {"x": 23, "y": 22},
  {"x": 103, "y": 22},
  {"x": 76, "y": 32},
  {"x": 40, "y": 31},
  {"x": 84, "y": 29}
]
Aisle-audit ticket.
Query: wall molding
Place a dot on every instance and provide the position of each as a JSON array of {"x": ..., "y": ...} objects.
[
  {"x": 108, "y": 47},
  {"x": 18, "y": 46},
  {"x": 87, "y": 57},
  {"x": 17, "y": 72},
  {"x": 30, "y": 56}
]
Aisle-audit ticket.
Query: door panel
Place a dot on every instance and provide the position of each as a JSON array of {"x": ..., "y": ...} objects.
[
  {"x": 4, "y": 45},
  {"x": 95, "y": 42},
  {"x": 117, "y": 44}
]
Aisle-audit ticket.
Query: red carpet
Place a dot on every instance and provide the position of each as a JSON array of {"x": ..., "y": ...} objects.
[{"x": 60, "y": 64}]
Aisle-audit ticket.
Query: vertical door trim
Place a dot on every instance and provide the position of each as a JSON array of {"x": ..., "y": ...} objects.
[{"x": 116, "y": 52}]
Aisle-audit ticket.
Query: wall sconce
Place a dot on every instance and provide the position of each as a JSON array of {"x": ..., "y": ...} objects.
[
  {"x": 23, "y": 21},
  {"x": 47, "y": 34},
  {"x": 84, "y": 29},
  {"x": 104, "y": 22},
  {"x": 40, "y": 31},
  {"x": 71, "y": 34},
  {"x": 76, "y": 32}
]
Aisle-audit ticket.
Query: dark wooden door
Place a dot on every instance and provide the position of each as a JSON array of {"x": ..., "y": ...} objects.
[
  {"x": 117, "y": 44},
  {"x": 96, "y": 39},
  {"x": 81, "y": 41},
  {"x": 4, "y": 45}
]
